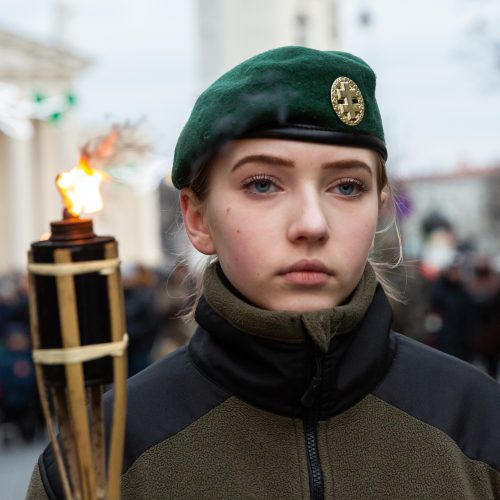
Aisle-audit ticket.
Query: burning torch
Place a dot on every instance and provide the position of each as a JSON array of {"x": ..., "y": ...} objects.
[{"x": 79, "y": 339}]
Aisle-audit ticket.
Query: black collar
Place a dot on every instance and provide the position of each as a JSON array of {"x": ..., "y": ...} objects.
[{"x": 275, "y": 375}]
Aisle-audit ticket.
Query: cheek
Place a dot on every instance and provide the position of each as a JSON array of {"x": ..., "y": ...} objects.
[
  {"x": 235, "y": 233},
  {"x": 355, "y": 235}
]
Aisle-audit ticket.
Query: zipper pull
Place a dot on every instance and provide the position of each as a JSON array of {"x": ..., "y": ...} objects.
[{"x": 308, "y": 398}]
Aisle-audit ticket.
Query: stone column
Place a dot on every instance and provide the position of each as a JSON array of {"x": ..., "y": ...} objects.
[
  {"x": 56, "y": 151},
  {"x": 17, "y": 166},
  {"x": 5, "y": 207},
  {"x": 134, "y": 220}
]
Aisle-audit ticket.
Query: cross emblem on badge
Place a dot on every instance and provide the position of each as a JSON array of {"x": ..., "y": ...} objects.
[{"x": 347, "y": 101}]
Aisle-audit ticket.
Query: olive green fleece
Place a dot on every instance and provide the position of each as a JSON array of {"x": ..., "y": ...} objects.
[
  {"x": 287, "y": 326},
  {"x": 36, "y": 491},
  {"x": 374, "y": 450},
  {"x": 234, "y": 451}
]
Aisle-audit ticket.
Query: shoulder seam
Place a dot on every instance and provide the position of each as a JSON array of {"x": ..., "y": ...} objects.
[{"x": 124, "y": 473}]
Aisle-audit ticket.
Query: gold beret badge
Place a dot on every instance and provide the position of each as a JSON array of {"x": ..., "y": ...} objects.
[{"x": 347, "y": 101}]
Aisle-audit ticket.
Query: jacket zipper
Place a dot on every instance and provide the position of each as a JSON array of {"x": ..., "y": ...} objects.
[{"x": 310, "y": 401}]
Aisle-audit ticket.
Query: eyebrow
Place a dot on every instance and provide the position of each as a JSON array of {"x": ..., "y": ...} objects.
[
  {"x": 347, "y": 165},
  {"x": 276, "y": 160},
  {"x": 270, "y": 160}
]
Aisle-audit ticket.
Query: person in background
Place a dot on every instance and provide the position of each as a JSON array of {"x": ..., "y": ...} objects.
[
  {"x": 484, "y": 289},
  {"x": 19, "y": 397},
  {"x": 140, "y": 314},
  {"x": 452, "y": 306}
]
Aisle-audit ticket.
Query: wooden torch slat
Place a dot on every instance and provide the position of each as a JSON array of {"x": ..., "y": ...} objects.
[
  {"x": 117, "y": 311},
  {"x": 74, "y": 377},
  {"x": 67, "y": 439},
  {"x": 95, "y": 393},
  {"x": 44, "y": 396}
]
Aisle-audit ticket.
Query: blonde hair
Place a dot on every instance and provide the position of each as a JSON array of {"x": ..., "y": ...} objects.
[{"x": 384, "y": 259}]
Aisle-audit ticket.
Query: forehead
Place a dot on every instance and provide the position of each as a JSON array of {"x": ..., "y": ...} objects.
[{"x": 296, "y": 152}]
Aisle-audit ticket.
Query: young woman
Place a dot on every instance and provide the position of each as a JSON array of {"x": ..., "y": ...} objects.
[{"x": 294, "y": 385}]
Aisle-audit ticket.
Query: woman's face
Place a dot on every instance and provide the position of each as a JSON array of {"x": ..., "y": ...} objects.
[{"x": 292, "y": 223}]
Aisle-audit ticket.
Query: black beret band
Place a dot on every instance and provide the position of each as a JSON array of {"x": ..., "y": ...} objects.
[{"x": 309, "y": 133}]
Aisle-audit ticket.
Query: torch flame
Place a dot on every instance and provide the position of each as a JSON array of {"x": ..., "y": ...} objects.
[{"x": 79, "y": 188}]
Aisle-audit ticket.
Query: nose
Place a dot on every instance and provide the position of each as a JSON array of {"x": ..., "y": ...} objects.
[{"x": 308, "y": 222}]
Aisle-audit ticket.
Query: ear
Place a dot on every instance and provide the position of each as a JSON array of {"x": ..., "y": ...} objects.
[
  {"x": 195, "y": 222},
  {"x": 382, "y": 199}
]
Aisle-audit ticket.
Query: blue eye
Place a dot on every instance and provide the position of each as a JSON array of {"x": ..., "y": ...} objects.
[
  {"x": 262, "y": 186},
  {"x": 349, "y": 188}
]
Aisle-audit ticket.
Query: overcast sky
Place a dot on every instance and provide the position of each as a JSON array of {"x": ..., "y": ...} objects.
[{"x": 438, "y": 89}]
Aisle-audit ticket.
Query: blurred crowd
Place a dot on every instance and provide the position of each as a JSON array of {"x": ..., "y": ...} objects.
[
  {"x": 455, "y": 309},
  {"x": 154, "y": 301},
  {"x": 19, "y": 407}
]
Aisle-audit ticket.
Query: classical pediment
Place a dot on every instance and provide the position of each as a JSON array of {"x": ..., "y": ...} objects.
[{"x": 22, "y": 58}]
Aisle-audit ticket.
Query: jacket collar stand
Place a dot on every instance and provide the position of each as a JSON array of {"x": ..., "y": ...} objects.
[
  {"x": 269, "y": 358},
  {"x": 321, "y": 326}
]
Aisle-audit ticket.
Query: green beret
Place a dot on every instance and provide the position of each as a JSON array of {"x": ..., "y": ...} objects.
[{"x": 290, "y": 92}]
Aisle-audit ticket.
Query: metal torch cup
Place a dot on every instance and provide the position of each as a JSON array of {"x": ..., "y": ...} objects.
[{"x": 79, "y": 347}]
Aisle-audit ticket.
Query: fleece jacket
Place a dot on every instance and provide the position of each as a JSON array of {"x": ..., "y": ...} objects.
[{"x": 333, "y": 405}]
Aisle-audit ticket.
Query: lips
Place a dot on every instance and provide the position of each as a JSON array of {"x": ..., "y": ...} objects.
[
  {"x": 307, "y": 272},
  {"x": 312, "y": 266}
]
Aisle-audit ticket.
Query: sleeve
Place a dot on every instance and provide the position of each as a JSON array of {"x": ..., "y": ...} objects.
[
  {"x": 36, "y": 490},
  {"x": 45, "y": 483}
]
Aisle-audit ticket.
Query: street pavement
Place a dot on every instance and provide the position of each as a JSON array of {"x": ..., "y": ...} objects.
[{"x": 16, "y": 465}]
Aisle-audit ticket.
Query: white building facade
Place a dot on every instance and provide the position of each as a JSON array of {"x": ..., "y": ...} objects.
[{"x": 233, "y": 30}]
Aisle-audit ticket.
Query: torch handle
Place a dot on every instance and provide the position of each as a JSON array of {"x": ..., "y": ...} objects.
[
  {"x": 95, "y": 393},
  {"x": 44, "y": 400},
  {"x": 117, "y": 310},
  {"x": 74, "y": 375},
  {"x": 68, "y": 439}
]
